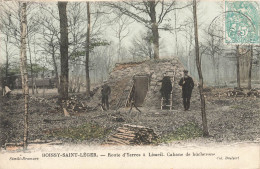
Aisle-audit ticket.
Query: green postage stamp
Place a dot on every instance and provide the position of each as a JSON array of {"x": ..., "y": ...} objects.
[{"x": 241, "y": 22}]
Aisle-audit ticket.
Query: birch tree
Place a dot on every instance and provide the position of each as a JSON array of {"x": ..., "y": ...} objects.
[
  {"x": 198, "y": 63},
  {"x": 10, "y": 20},
  {"x": 24, "y": 74}
]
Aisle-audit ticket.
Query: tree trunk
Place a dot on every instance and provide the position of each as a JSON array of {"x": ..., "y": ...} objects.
[
  {"x": 217, "y": 69},
  {"x": 119, "y": 50},
  {"x": 154, "y": 29},
  {"x": 119, "y": 43},
  {"x": 202, "y": 98},
  {"x": 238, "y": 67},
  {"x": 6, "y": 48},
  {"x": 7, "y": 58},
  {"x": 35, "y": 53},
  {"x": 87, "y": 52},
  {"x": 214, "y": 70},
  {"x": 7, "y": 55},
  {"x": 189, "y": 55},
  {"x": 24, "y": 74},
  {"x": 188, "y": 62},
  {"x": 213, "y": 53},
  {"x": 55, "y": 69},
  {"x": 250, "y": 68},
  {"x": 63, "y": 51},
  {"x": 30, "y": 54},
  {"x": 176, "y": 35}
]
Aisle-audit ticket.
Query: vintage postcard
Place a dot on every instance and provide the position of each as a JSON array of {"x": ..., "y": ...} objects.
[{"x": 160, "y": 84}]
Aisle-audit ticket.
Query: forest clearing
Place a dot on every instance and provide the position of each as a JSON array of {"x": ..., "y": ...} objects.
[
  {"x": 230, "y": 119},
  {"x": 129, "y": 73}
]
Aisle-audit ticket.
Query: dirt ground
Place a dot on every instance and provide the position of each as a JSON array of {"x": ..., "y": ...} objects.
[{"x": 229, "y": 119}]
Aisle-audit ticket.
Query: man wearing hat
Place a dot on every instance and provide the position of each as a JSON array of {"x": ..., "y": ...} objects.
[
  {"x": 105, "y": 91},
  {"x": 187, "y": 85},
  {"x": 166, "y": 88}
]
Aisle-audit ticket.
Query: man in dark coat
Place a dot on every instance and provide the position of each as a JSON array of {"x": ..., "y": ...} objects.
[
  {"x": 105, "y": 91},
  {"x": 187, "y": 85},
  {"x": 166, "y": 88}
]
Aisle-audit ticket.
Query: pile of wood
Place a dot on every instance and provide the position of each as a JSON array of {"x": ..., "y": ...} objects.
[
  {"x": 254, "y": 92},
  {"x": 132, "y": 135},
  {"x": 243, "y": 93},
  {"x": 74, "y": 104},
  {"x": 235, "y": 92},
  {"x": 117, "y": 119}
]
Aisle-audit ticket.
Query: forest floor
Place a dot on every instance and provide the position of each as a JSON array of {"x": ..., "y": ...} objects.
[{"x": 229, "y": 120}]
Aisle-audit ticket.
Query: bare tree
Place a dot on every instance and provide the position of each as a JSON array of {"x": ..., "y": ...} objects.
[
  {"x": 77, "y": 23},
  {"x": 23, "y": 69},
  {"x": 6, "y": 39},
  {"x": 64, "y": 77},
  {"x": 121, "y": 29},
  {"x": 49, "y": 43},
  {"x": 237, "y": 54},
  {"x": 186, "y": 29},
  {"x": 176, "y": 32},
  {"x": 244, "y": 57},
  {"x": 11, "y": 21},
  {"x": 87, "y": 52},
  {"x": 102, "y": 58},
  {"x": 31, "y": 31},
  {"x": 6, "y": 24},
  {"x": 249, "y": 86},
  {"x": 142, "y": 45},
  {"x": 214, "y": 50},
  {"x": 256, "y": 60},
  {"x": 238, "y": 67},
  {"x": 50, "y": 34},
  {"x": 198, "y": 63},
  {"x": 145, "y": 13}
]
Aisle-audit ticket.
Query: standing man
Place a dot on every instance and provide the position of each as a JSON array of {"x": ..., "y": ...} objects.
[
  {"x": 187, "y": 85},
  {"x": 105, "y": 91},
  {"x": 166, "y": 88}
]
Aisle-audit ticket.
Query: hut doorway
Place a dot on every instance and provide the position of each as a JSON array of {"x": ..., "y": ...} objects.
[{"x": 139, "y": 90}]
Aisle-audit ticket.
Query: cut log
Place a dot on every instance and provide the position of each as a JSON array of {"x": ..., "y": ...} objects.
[
  {"x": 123, "y": 137},
  {"x": 126, "y": 134},
  {"x": 124, "y": 130}
]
